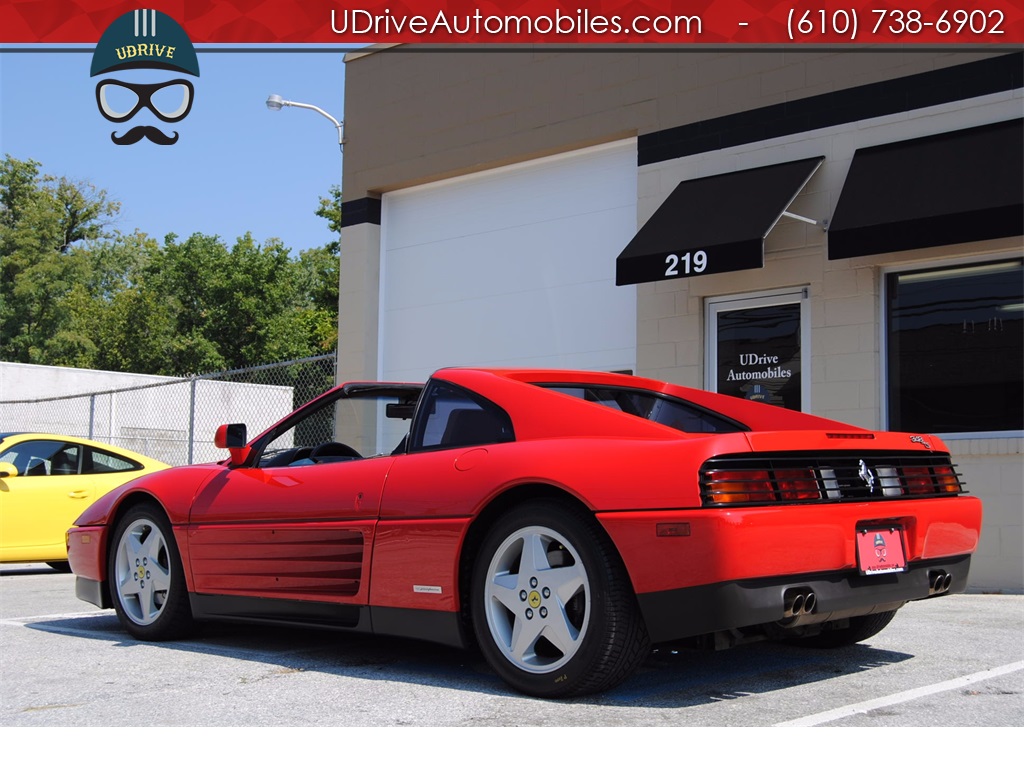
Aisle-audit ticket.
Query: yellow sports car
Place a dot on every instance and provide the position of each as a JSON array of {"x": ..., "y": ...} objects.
[{"x": 46, "y": 481}]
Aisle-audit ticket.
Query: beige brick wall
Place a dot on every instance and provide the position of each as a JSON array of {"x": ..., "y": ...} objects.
[
  {"x": 845, "y": 296},
  {"x": 994, "y": 471}
]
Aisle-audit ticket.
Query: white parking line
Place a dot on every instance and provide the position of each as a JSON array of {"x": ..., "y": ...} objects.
[{"x": 899, "y": 698}]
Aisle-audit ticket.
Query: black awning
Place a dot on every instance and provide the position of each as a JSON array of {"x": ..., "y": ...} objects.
[
  {"x": 713, "y": 224},
  {"x": 957, "y": 187}
]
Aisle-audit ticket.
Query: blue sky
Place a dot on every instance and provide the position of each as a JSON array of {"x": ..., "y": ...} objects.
[{"x": 237, "y": 167}]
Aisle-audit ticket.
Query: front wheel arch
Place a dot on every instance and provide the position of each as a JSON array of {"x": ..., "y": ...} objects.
[{"x": 145, "y": 575}]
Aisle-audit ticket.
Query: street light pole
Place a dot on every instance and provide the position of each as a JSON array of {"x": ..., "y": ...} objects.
[{"x": 275, "y": 103}]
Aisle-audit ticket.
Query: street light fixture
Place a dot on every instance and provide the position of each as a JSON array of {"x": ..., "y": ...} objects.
[{"x": 275, "y": 102}]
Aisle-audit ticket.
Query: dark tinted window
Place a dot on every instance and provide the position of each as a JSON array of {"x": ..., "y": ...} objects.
[
  {"x": 43, "y": 457},
  {"x": 450, "y": 417},
  {"x": 669, "y": 411},
  {"x": 99, "y": 462},
  {"x": 955, "y": 343}
]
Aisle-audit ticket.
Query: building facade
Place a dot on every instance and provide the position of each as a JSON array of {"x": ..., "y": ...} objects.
[{"x": 834, "y": 231}]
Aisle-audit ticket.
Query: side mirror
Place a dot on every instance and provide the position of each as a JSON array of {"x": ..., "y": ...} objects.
[
  {"x": 232, "y": 437},
  {"x": 7, "y": 470}
]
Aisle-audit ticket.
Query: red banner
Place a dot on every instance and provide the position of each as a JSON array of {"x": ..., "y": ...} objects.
[{"x": 548, "y": 22}]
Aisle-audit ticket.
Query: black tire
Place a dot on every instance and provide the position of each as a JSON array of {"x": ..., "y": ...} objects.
[
  {"x": 60, "y": 565},
  {"x": 147, "y": 582},
  {"x": 861, "y": 628},
  {"x": 571, "y": 608}
]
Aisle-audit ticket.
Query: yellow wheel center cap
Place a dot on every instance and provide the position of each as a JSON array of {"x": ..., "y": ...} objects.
[
  {"x": 142, "y": 572},
  {"x": 534, "y": 599}
]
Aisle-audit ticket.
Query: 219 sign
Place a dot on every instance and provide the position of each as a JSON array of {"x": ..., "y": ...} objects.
[{"x": 676, "y": 265}]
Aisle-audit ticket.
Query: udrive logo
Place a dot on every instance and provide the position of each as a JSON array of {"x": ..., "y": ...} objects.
[{"x": 136, "y": 44}]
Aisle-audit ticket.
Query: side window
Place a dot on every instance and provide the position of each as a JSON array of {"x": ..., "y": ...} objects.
[
  {"x": 299, "y": 444},
  {"x": 355, "y": 422},
  {"x": 65, "y": 461},
  {"x": 100, "y": 462},
  {"x": 450, "y": 417},
  {"x": 688, "y": 418},
  {"x": 43, "y": 457},
  {"x": 654, "y": 407}
]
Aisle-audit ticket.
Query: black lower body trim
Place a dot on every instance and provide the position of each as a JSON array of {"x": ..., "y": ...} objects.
[
  {"x": 442, "y": 627},
  {"x": 265, "y": 610},
  {"x": 681, "y": 613},
  {"x": 94, "y": 592}
]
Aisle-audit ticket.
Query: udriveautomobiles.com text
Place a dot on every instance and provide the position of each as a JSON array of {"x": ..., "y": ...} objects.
[{"x": 583, "y": 22}]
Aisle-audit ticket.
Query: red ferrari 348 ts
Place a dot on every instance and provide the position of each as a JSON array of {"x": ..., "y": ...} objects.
[{"x": 561, "y": 521}]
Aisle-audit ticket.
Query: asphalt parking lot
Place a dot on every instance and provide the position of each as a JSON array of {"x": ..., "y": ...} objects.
[{"x": 954, "y": 661}]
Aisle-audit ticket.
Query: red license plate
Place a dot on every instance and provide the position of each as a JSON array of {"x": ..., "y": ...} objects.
[{"x": 880, "y": 550}]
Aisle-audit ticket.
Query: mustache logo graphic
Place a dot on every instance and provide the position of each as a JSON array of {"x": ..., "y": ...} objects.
[{"x": 140, "y": 132}]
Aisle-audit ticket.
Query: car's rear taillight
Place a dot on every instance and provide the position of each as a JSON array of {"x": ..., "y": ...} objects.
[
  {"x": 797, "y": 484},
  {"x": 918, "y": 480},
  {"x": 751, "y": 486},
  {"x": 946, "y": 480},
  {"x": 739, "y": 486},
  {"x": 830, "y": 477}
]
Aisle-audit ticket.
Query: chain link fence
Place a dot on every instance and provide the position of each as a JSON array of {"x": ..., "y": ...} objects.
[{"x": 174, "y": 421}]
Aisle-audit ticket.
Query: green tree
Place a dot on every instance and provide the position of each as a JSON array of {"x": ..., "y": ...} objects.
[
  {"x": 236, "y": 307},
  {"x": 319, "y": 279},
  {"x": 42, "y": 219},
  {"x": 330, "y": 210},
  {"x": 131, "y": 325},
  {"x": 74, "y": 291}
]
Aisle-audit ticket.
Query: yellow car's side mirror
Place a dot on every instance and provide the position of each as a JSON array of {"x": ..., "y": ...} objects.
[{"x": 7, "y": 470}]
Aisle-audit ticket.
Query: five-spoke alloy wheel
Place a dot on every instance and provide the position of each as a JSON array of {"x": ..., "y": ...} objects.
[
  {"x": 552, "y": 609},
  {"x": 146, "y": 579},
  {"x": 537, "y": 599}
]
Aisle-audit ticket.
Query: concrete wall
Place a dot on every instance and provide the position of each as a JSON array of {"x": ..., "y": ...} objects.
[{"x": 170, "y": 419}]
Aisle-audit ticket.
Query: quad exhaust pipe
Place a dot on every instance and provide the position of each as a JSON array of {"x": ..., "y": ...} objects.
[{"x": 939, "y": 582}]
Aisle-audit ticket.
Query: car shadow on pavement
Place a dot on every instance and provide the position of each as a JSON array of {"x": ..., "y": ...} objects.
[
  {"x": 26, "y": 569},
  {"x": 690, "y": 678},
  {"x": 668, "y": 678}
]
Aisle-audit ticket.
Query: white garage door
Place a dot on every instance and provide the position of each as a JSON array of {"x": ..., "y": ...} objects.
[{"x": 512, "y": 267}]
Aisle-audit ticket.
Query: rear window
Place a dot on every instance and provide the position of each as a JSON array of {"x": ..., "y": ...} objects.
[{"x": 661, "y": 409}]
